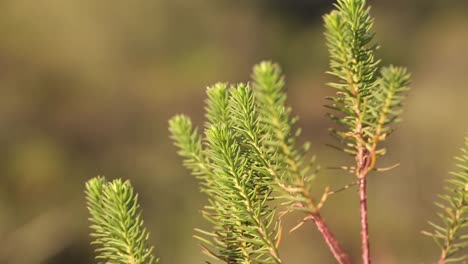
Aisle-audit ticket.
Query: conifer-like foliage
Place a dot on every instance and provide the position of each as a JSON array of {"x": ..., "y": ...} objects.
[
  {"x": 367, "y": 104},
  {"x": 116, "y": 222},
  {"x": 290, "y": 167},
  {"x": 253, "y": 172},
  {"x": 246, "y": 159},
  {"x": 238, "y": 188},
  {"x": 451, "y": 235},
  {"x": 277, "y": 150}
]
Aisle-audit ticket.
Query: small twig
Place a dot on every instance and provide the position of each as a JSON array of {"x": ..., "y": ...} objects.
[
  {"x": 339, "y": 254},
  {"x": 299, "y": 225},
  {"x": 280, "y": 236},
  {"x": 334, "y": 147},
  {"x": 333, "y": 244},
  {"x": 387, "y": 168},
  {"x": 344, "y": 188},
  {"x": 350, "y": 169},
  {"x": 324, "y": 198}
]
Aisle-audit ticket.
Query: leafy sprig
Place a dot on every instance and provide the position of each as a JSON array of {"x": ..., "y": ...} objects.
[
  {"x": 116, "y": 223},
  {"x": 295, "y": 170},
  {"x": 289, "y": 165},
  {"x": 248, "y": 158},
  {"x": 366, "y": 105},
  {"x": 244, "y": 226},
  {"x": 451, "y": 234}
]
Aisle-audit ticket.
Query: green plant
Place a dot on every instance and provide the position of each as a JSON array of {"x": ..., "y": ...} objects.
[
  {"x": 252, "y": 170},
  {"x": 116, "y": 223},
  {"x": 368, "y": 104},
  {"x": 252, "y": 132},
  {"x": 237, "y": 188},
  {"x": 451, "y": 236}
]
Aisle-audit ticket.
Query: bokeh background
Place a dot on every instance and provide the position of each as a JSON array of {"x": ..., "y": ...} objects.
[{"x": 87, "y": 87}]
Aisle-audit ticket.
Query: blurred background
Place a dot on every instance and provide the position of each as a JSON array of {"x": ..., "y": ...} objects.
[{"x": 87, "y": 87}]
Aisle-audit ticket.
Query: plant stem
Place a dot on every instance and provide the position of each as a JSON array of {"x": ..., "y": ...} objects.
[
  {"x": 333, "y": 244},
  {"x": 339, "y": 254},
  {"x": 442, "y": 259},
  {"x": 364, "y": 225},
  {"x": 365, "y": 160}
]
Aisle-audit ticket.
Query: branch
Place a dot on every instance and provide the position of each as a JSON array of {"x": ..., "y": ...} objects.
[
  {"x": 292, "y": 174},
  {"x": 339, "y": 254},
  {"x": 451, "y": 236},
  {"x": 116, "y": 222}
]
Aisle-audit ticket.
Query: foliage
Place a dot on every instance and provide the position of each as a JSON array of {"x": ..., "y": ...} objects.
[
  {"x": 289, "y": 165},
  {"x": 249, "y": 158},
  {"x": 244, "y": 226},
  {"x": 253, "y": 131},
  {"x": 249, "y": 165},
  {"x": 116, "y": 222},
  {"x": 451, "y": 235},
  {"x": 366, "y": 104}
]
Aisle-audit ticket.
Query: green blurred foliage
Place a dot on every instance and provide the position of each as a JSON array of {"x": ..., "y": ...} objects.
[{"x": 87, "y": 88}]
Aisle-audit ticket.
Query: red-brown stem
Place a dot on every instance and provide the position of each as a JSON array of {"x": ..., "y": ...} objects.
[
  {"x": 339, "y": 254},
  {"x": 364, "y": 225},
  {"x": 365, "y": 161},
  {"x": 442, "y": 260},
  {"x": 443, "y": 255}
]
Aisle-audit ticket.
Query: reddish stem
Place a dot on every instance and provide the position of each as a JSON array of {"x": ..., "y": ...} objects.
[
  {"x": 441, "y": 260},
  {"x": 339, "y": 254},
  {"x": 364, "y": 225}
]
